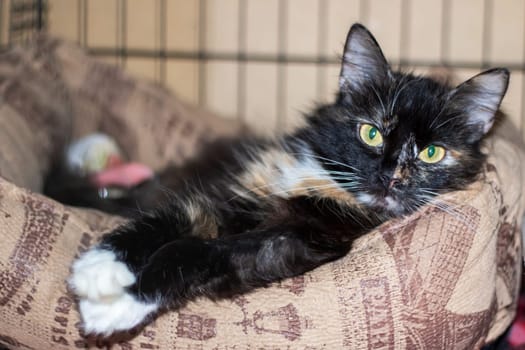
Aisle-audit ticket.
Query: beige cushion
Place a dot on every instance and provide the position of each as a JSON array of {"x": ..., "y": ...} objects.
[{"x": 440, "y": 279}]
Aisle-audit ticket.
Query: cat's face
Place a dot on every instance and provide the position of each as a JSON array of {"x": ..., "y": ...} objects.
[{"x": 397, "y": 140}]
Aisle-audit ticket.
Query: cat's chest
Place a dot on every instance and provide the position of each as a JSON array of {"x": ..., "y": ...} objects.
[{"x": 283, "y": 174}]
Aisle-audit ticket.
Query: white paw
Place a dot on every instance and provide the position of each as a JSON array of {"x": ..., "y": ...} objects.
[
  {"x": 97, "y": 275},
  {"x": 100, "y": 281},
  {"x": 118, "y": 315}
]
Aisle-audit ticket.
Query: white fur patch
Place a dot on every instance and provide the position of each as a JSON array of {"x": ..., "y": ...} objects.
[
  {"x": 389, "y": 202},
  {"x": 99, "y": 280},
  {"x": 365, "y": 198},
  {"x": 120, "y": 314},
  {"x": 392, "y": 204},
  {"x": 293, "y": 175},
  {"x": 449, "y": 160},
  {"x": 277, "y": 172}
]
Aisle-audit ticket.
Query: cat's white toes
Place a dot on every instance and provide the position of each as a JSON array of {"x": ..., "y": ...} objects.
[
  {"x": 123, "y": 313},
  {"x": 97, "y": 275},
  {"x": 100, "y": 281}
]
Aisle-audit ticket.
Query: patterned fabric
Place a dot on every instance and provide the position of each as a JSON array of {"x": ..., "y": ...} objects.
[{"x": 439, "y": 279}]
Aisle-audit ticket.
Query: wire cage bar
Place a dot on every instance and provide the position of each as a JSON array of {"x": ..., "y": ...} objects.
[
  {"x": 21, "y": 19},
  {"x": 266, "y": 61}
]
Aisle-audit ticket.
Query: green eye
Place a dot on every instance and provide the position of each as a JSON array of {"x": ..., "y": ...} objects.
[
  {"x": 432, "y": 154},
  {"x": 370, "y": 135}
]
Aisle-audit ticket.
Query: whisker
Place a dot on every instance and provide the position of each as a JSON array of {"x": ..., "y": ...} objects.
[
  {"x": 445, "y": 105},
  {"x": 345, "y": 174},
  {"x": 334, "y": 186},
  {"x": 327, "y": 159},
  {"x": 445, "y": 206},
  {"x": 379, "y": 99},
  {"x": 347, "y": 183},
  {"x": 403, "y": 85},
  {"x": 446, "y": 121}
]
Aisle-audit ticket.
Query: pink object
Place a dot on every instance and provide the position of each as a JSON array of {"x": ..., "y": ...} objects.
[
  {"x": 113, "y": 161},
  {"x": 123, "y": 175}
]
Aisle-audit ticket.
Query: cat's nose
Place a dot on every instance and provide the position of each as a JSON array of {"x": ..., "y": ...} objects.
[
  {"x": 393, "y": 182},
  {"x": 388, "y": 181}
]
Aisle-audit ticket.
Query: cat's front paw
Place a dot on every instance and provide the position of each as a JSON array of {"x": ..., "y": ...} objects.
[{"x": 100, "y": 281}]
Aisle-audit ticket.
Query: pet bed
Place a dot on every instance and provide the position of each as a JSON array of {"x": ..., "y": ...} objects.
[{"x": 442, "y": 279}]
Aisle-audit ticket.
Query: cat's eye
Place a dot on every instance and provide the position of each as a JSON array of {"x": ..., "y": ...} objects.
[
  {"x": 370, "y": 135},
  {"x": 432, "y": 154}
]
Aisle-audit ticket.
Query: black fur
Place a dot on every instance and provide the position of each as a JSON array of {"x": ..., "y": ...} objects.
[{"x": 209, "y": 240}]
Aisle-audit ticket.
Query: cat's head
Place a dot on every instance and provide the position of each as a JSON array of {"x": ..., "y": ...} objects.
[{"x": 395, "y": 140}]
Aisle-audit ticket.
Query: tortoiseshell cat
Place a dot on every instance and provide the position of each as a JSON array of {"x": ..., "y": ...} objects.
[{"x": 278, "y": 208}]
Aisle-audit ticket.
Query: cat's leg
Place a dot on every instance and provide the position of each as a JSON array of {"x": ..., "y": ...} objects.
[
  {"x": 166, "y": 258},
  {"x": 139, "y": 272},
  {"x": 224, "y": 267},
  {"x": 102, "y": 276}
]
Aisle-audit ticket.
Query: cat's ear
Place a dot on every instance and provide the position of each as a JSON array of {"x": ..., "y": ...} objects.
[
  {"x": 479, "y": 98},
  {"x": 363, "y": 61}
]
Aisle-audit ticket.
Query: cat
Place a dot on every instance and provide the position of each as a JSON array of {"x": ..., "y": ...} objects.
[{"x": 277, "y": 208}]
